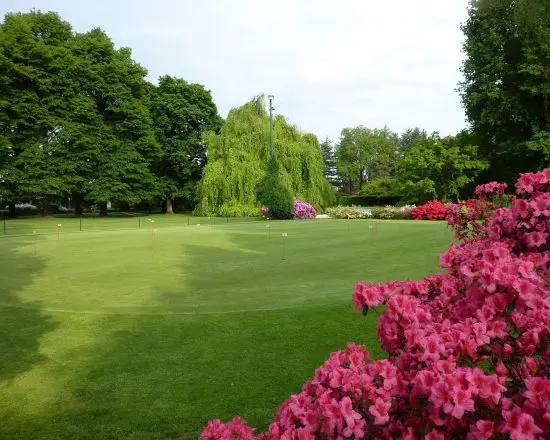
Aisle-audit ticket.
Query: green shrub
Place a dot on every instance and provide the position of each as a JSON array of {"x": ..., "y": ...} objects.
[
  {"x": 382, "y": 188},
  {"x": 234, "y": 208},
  {"x": 272, "y": 193},
  {"x": 384, "y": 212},
  {"x": 404, "y": 212}
]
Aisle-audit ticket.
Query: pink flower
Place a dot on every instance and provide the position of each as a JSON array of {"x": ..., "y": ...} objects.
[
  {"x": 490, "y": 308},
  {"x": 303, "y": 210},
  {"x": 519, "y": 425},
  {"x": 441, "y": 397},
  {"x": 434, "y": 434},
  {"x": 483, "y": 429},
  {"x": 462, "y": 402},
  {"x": 354, "y": 422},
  {"x": 380, "y": 411}
]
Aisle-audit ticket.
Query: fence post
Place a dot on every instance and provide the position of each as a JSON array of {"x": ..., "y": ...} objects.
[
  {"x": 4, "y": 227},
  {"x": 80, "y": 225},
  {"x": 188, "y": 220},
  {"x": 139, "y": 222}
]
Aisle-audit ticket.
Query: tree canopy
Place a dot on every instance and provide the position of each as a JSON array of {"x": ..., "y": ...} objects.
[
  {"x": 437, "y": 168},
  {"x": 238, "y": 157},
  {"x": 77, "y": 120},
  {"x": 506, "y": 87},
  {"x": 365, "y": 154},
  {"x": 181, "y": 112}
]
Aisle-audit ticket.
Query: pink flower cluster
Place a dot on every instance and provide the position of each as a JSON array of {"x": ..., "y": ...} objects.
[
  {"x": 490, "y": 189},
  {"x": 264, "y": 210},
  {"x": 303, "y": 210},
  {"x": 432, "y": 210},
  {"x": 468, "y": 349}
]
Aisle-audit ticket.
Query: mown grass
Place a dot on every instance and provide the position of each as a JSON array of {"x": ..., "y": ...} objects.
[{"x": 137, "y": 334}]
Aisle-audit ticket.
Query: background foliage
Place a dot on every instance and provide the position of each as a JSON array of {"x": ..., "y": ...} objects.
[{"x": 238, "y": 158}]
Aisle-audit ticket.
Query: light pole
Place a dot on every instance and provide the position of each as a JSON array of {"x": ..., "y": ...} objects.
[{"x": 270, "y": 98}]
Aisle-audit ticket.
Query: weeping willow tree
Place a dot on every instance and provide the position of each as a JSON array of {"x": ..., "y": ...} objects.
[{"x": 238, "y": 157}]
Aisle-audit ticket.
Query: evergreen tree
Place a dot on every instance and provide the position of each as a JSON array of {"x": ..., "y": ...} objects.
[
  {"x": 327, "y": 150},
  {"x": 410, "y": 137}
]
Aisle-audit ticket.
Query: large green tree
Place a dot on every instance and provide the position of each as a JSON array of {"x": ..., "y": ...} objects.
[
  {"x": 35, "y": 77},
  {"x": 506, "y": 87},
  {"x": 364, "y": 155},
  {"x": 110, "y": 125},
  {"x": 75, "y": 118},
  {"x": 238, "y": 158},
  {"x": 181, "y": 113},
  {"x": 438, "y": 168}
]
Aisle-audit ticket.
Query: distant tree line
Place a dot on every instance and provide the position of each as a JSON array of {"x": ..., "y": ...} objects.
[
  {"x": 506, "y": 95},
  {"x": 80, "y": 125},
  {"x": 413, "y": 167},
  {"x": 79, "y": 122}
]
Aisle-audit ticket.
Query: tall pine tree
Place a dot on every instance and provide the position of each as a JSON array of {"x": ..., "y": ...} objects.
[{"x": 327, "y": 150}]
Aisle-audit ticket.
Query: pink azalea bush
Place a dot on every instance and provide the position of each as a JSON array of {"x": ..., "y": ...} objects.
[
  {"x": 303, "y": 210},
  {"x": 468, "y": 349}
]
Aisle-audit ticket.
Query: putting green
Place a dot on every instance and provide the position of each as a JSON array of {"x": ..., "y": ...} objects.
[{"x": 144, "y": 334}]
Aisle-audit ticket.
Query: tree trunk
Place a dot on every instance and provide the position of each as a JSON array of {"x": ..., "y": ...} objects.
[
  {"x": 76, "y": 202},
  {"x": 169, "y": 207},
  {"x": 103, "y": 209},
  {"x": 13, "y": 212},
  {"x": 46, "y": 208}
]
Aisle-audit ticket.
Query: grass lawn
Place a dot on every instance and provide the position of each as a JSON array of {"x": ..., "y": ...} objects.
[{"x": 127, "y": 334}]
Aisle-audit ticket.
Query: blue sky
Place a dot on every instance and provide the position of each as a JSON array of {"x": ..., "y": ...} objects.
[{"x": 330, "y": 64}]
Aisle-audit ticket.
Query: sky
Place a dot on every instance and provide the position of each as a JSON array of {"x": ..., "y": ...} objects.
[{"x": 330, "y": 64}]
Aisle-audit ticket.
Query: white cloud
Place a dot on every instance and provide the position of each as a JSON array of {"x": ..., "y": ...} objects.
[{"x": 331, "y": 64}]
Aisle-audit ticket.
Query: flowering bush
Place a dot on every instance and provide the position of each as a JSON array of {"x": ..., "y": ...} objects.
[
  {"x": 433, "y": 210},
  {"x": 264, "y": 210},
  {"x": 384, "y": 212},
  {"x": 349, "y": 212},
  {"x": 404, "y": 212},
  {"x": 468, "y": 349},
  {"x": 303, "y": 210}
]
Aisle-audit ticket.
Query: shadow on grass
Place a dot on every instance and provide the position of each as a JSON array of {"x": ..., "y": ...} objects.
[
  {"x": 167, "y": 375},
  {"x": 164, "y": 376},
  {"x": 21, "y": 323}
]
